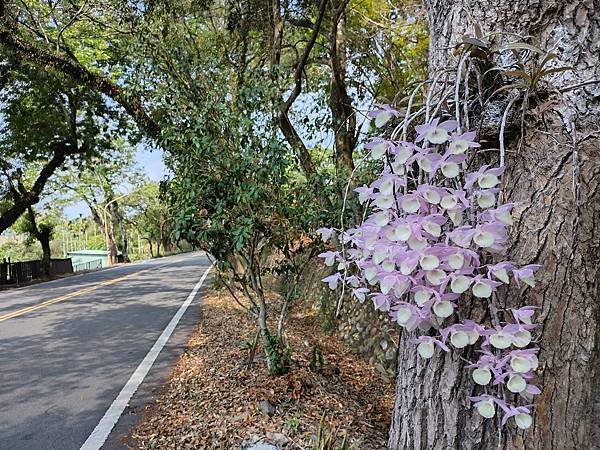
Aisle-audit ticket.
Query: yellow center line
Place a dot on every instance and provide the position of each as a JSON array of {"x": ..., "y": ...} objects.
[{"x": 20, "y": 312}]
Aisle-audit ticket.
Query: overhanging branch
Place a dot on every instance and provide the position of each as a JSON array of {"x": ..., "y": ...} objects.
[{"x": 78, "y": 73}]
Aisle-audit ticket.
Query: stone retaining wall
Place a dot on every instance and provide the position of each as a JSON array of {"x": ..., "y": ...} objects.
[
  {"x": 368, "y": 332},
  {"x": 371, "y": 334}
]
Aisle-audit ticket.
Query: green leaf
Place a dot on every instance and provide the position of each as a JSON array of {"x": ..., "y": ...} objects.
[{"x": 476, "y": 42}]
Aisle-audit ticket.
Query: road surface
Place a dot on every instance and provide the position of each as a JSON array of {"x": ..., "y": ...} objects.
[{"x": 69, "y": 347}]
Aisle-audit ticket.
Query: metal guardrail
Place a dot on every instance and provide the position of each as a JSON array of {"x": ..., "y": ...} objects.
[
  {"x": 25, "y": 271},
  {"x": 94, "y": 264}
]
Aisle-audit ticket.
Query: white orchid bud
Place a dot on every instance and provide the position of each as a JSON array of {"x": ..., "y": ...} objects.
[
  {"x": 483, "y": 238},
  {"x": 500, "y": 340},
  {"x": 520, "y": 364},
  {"x": 482, "y": 290},
  {"x": 425, "y": 164},
  {"x": 505, "y": 217},
  {"x": 382, "y": 118},
  {"x": 486, "y": 409},
  {"x": 404, "y": 315},
  {"x": 460, "y": 284},
  {"x": 410, "y": 205},
  {"x": 422, "y": 297},
  {"x": 435, "y": 276},
  {"x": 487, "y": 181},
  {"x": 402, "y": 232},
  {"x": 502, "y": 275},
  {"x": 482, "y": 376},
  {"x": 385, "y": 287},
  {"x": 523, "y": 420},
  {"x": 401, "y": 288},
  {"x": 403, "y": 155},
  {"x": 433, "y": 228},
  {"x": 459, "y": 339},
  {"x": 534, "y": 362},
  {"x": 389, "y": 233},
  {"x": 429, "y": 262},
  {"x": 370, "y": 273},
  {"x": 387, "y": 187},
  {"x": 398, "y": 166},
  {"x": 473, "y": 336},
  {"x": 449, "y": 202},
  {"x": 388, "y": 266},
  {"x": 516, "y": 384},
  {"x": 379, "y": 256},
  {"x": 443, "y": 309},
  {"x": 416, "y": 244},
  {"x": 378, "y": 150},
  {"x": 405, "y": 268},
  {"x": 456, "y": 261},
  {"x": 384, "y": 202},
  {"x": 529, "y": 281},
  {"x": 432, "y": 196},
  {"x": 437, "y": 136},
  {"x": 486, "y": 199},
  {"x": 450, "y": 169},
  {"x": 522, "y": 338},
  {"x": 456, "y": 217},
  {"x": 458, "y": 147},
  {"x": 425, "y": 349},
  {"x": 382, "y": 218}
]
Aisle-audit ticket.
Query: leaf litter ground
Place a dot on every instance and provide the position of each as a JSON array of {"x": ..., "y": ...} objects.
[{"x": 213, "y": 398}]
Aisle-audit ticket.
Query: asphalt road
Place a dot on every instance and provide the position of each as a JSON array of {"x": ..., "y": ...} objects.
[{"x": 68, "y": 347}]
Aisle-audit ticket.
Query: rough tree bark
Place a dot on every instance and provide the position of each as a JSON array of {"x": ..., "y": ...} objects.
[
  {"x": 340, "y": 103},
  {"x": 553, "y": 176},
  {"x": 43, "y": 235}
]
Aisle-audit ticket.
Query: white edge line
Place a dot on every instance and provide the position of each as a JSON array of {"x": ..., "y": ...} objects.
[{"x": 96, "y": 440}]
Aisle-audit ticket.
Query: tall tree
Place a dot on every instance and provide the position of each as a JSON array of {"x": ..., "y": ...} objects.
[
  {"x": 149, "y": 215},
  {"x": 48, "y": 122},
  {"x": 38, "y": 131},
  {"x": 553, "y": 174},
  {"x": 96, "y": 182},
  {"x": 40, "y": 229}
]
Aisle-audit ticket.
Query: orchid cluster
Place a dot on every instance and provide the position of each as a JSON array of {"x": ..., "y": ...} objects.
[{"x": 424, "y": 248}]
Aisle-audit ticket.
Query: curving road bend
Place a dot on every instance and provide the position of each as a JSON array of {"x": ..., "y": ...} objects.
[{"x": 69, "y": 347}]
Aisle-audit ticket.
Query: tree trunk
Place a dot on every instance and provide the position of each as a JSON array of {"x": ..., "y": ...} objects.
[
  {"x": 122, "y": 232},
  {"x": 43, "y": 236},
  {"x": 553, "y": 176},
  {"x": 46, "y": 253},
  {"x": 340, "y": 103}
]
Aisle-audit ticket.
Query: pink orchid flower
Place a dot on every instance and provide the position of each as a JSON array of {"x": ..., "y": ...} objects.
[
  {"x": 378, "y": 147},
  {"x": 382, "y": 114},
  {"x": 460, "y": 143},
  {"x": 526, "y": 274},
  {"x": 435, "y": 132}
]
